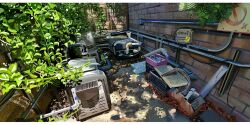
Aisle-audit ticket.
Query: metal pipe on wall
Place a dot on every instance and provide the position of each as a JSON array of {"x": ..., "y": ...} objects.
[
  {"x": 220, "y": 49},
  {"x": 168, "y": 21},
  {"x": 172, "y": 43}
]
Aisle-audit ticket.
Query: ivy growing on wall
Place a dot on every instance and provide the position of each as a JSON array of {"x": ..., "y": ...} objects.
[
  {"x": 209, "y": 12},
  {"x": 38, "y": 35}
]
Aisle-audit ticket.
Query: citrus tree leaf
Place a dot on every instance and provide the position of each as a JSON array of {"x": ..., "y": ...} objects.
[{"x": 13, "y": 67}]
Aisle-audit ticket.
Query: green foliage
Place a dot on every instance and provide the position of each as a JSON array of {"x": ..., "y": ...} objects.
[
  {"x": 38, "y": 34},
  {"x": 210, "y": 12},
  {"x": 80, "y": 14},
  {"x": 118, "y": 9}
]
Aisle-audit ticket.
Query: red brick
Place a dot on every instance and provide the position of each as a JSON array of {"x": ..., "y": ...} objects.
[
  {"x": 235, "y": 102},
  {"x": 186, "y": 58},
  {"x": 154, "y": 16},
  {"x": 150, "y": 44},
  {"x": 141, "y": 6},
  {"x": 195, "y": 71},
  {"x": 244, "y": 57},
  {"x": 241, "y": 43},
  {"x": 181, "y": 15},
  {"x": 245, "y": 97},
  {"x": 201, "y": 58},
  {"x": 247, "y": 111},
  {"x": 150, "y": 10},
  {"x": 235, "y": 92},
  {"x": 166, "y": 15},
  {"x": 242, "y": 83},
  {"x": 222, "y": 98},
  {"x": 162, "y": 8},
  {"x": 173, "y": 7},
  {"x": 201, "y": 68},
  {"x": 228, "y": 53},
  {"x": 245, "y": 73},
  {"x": 144, "y": 11},
  {"x": 208, "y": 45}
]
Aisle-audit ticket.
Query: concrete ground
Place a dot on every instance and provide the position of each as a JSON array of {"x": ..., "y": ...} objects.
[{"x": 132, "y": 100}]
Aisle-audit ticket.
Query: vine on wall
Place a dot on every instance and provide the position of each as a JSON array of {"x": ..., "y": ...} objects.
[{"x": 209, "y": 12}]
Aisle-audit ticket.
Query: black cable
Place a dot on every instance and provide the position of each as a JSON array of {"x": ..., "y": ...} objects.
[
  {"x": 237, "y": 71},
  {"x": 6, "y": 97}
]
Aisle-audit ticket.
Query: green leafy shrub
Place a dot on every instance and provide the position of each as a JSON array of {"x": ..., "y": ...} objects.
[{"x": 39, "y": 34}]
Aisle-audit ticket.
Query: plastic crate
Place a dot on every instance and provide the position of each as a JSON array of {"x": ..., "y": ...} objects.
[
  {"x": 156, "y": 60},
  {"x": 158, "y": 83}
]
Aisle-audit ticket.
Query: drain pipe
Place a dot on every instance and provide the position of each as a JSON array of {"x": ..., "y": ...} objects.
[
  {"x": 213, "y": 81},
  {"x": 167, "y": 21},
  {"x": 172, "y": 43},
  {"x": 76, "y": 104}
]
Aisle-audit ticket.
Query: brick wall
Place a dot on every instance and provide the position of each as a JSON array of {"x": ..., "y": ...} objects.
[
  {"x": 239, "y": 95},
  {"x": 116, "y": 20},
  {"x": 14, "y": 108}
]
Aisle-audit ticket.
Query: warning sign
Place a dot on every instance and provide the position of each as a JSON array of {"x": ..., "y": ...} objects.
[
  {"x": 184, "y": 36},
  {"x": 239, "y": 21}
]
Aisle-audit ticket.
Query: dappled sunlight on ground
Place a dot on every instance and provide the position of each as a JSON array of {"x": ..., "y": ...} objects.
[{"x": 132, "y": 100}]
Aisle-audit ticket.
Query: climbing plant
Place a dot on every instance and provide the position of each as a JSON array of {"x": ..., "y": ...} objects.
[
  {"x": 38, "y": 34},
  {"x": 209, "y": 12}
]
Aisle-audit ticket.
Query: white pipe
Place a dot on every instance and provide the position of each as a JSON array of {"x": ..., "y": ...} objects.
[
  {"x": 129, "y": 45},
  {"x": 192, "y": 90},
  {"x": 76, "y": 104},
  {"x": 213, "y": 81}
]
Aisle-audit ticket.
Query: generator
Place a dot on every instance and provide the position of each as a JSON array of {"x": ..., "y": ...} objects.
[
  {"x": 93, "y": 90},
  {"x": 91, "y": 93},
  {"x": 123, "y": 45}
]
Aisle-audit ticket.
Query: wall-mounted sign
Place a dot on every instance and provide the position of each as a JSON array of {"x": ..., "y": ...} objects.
[
  {"x": 184, "y": 36},
  {"x": 239, "y": 21}
]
